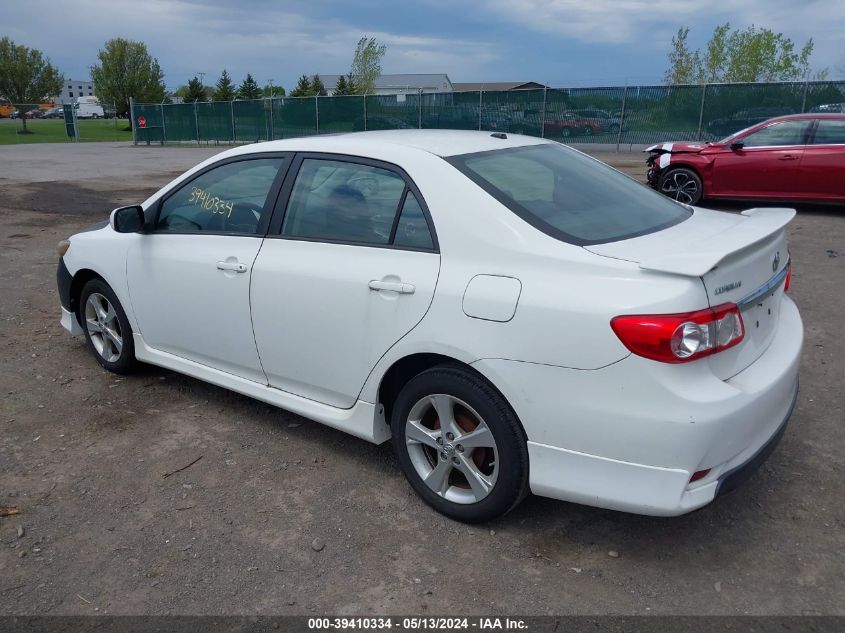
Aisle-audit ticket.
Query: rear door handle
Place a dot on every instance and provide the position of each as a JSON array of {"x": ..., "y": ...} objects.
[
  {"x": 788, "y": 157},
  {"x": 404, "y": 289},
  {"x": 234, "y": 266}
]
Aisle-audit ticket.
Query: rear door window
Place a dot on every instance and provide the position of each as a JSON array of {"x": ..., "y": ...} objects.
[
  {"x": 568, "y": 195},
  {"x": 830, "y": 132}
]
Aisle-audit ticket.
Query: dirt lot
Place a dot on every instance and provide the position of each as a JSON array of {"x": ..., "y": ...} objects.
[{"x": 101, "y": 530}]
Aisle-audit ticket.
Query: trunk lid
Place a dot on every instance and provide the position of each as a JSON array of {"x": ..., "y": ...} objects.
[{"x": 740, "y": 258}]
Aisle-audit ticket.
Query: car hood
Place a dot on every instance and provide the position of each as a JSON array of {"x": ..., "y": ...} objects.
[{"x": 676, "y": 148}]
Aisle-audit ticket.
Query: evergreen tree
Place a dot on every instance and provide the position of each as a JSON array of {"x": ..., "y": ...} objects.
[
  {"x": 225, "y": 89},
  {"x": 249, "y": 89},
  {"x": 351, "y": 86},
  {"x": 303, "y": 88},
  {"x": 195, "y": 92},
  {"x": 341, "y": 87},
  {"x": 317, "y": 87}
]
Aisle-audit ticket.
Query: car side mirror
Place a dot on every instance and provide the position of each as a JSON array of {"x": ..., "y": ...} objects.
[
  {"x": 737, "y": 145},
  {"x": 127, "y": 219}
]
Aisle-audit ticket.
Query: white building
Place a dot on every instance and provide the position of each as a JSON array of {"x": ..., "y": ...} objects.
[{"x": 72, "y": 89}]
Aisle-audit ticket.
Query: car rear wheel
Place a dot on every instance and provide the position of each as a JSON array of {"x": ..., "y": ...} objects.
[
  {"x": 460, "y": 445},
  {"x": 107, "y": 329},
  {"x": 588, "y": 131},
  {"x": 566, "y": 132},
  {"x": 682, "y": 184}
]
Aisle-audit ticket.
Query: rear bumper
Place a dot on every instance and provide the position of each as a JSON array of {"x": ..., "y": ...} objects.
[{"x": 630, "y": 436}]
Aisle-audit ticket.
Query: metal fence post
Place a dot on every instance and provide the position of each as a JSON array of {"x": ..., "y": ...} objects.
[
  {"x": 480, "y": 106},
  {"x": 272, "y": 127},
  {"x": 232, "y": 115},
  {"x": 163, "y": 129},
  {"x": 419, "y": 108},
  {"x": 543, "y": 115},
  {"x": 364, "y": 97},
  {"x": 197, "y": 122},
  {"x": 804, "y": 97},
  {"x": 701, "y": 109},
  {"x": 132, "y": 120},
  {"x": 317, "y": 112},
  {"x": 622, "y": 117}
]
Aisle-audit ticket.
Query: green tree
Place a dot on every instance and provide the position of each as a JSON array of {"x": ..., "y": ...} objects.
[
  {"x": 249, "y": 89},
  {"x": 741, "y": 55},
  {"x": 317, "y": 87},
  {"x": 303, "y": 88},
  {"x": 341, "y": 87},
  {"x": 126, "y": 69},
  {"x": 195, "y": 92},
  {"x": 683, "y": 63},
  {"x": 351, "y": 87},
  {"x": 273, "y": 91},
  {"x": 26, "y": 76},
  {"x": 225, "y": 89},
  {"x": 366, "y": 65}
]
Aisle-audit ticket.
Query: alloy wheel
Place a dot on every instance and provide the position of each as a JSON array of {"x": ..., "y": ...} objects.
[
  {"x": 680, "y": 186},
  {"x": 103, "y": 327},
  {"x": 452, "y": 449}
]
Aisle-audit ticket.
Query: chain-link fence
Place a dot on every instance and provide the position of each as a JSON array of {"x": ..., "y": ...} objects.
[{"x": 620, "y": 115}]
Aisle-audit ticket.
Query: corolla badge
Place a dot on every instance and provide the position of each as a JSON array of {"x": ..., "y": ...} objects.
[
  {"x": 728, "y": 287},
  {"x": 776, "y": 261}
]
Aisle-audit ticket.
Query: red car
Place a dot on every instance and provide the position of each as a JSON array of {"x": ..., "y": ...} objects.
[
  {"x": 795, "y": 157},
  {"x": 570, "y": 124}
]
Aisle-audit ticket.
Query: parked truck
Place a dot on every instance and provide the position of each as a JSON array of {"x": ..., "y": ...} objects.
[{"x": 88, "y": 108}]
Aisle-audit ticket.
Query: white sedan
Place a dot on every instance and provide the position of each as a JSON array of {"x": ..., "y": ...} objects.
[{"x": 515, "y": 315}]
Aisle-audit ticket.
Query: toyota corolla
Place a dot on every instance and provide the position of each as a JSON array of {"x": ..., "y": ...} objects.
[{"x": 516, "y": 316}]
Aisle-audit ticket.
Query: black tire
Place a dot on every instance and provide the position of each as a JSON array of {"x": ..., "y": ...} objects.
[
  {"x": 681, "y": 184},
  {"x": 566, "y": 132},
  {"x": 614, "y": 128},
  {"x": 511, "y": 481},
  {"x": 588, "y": 131},
  {"x": 125, "y": 361}
]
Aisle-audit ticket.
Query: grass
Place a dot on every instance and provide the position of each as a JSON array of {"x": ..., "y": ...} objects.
[{"x": 53, "y": 131}]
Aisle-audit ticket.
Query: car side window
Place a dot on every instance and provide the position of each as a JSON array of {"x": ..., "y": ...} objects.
[
  {"x": 226, "y": 199},
  {"x": 412, "y": 230},
  {"x": 343, "y": 201},
  {"x": 778, "y": 134},
  {"x": 830, "y": 132}
]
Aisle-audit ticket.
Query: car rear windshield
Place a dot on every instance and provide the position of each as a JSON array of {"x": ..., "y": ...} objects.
[{"x": 568, "y": 195}]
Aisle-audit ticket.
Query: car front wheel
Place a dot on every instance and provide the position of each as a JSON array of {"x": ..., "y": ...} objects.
[
  {"x": 460, "y": 445},
  {"x": 682, "y": 184},
  {"x": 107, "y": 329}
]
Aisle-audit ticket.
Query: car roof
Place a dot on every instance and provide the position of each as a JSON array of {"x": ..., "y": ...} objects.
[
  {"x": 438, "y": 142},
  {"x": 810, "y": 115}
]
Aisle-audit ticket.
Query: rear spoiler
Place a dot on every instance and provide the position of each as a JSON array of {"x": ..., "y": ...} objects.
[{"x": 759, "y": 224}]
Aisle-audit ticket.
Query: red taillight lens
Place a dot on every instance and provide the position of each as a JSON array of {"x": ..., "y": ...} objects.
[
  {"x": 678, "y": 338},
  {"x": 788, "y": 276}
]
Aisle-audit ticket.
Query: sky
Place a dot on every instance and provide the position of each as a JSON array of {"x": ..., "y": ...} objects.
[{"x": 556, "y": 42}]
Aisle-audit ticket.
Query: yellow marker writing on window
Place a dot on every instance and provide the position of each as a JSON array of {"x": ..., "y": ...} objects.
[{"x": 212, "y": 204}]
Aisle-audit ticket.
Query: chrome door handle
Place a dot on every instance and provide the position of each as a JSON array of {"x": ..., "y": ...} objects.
[
  {"x": 234, "y": 266},
  {"x": 404, "y": 289}
]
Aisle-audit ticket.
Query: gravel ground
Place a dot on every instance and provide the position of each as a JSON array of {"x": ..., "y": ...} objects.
[{"x": 284, "y": 516}]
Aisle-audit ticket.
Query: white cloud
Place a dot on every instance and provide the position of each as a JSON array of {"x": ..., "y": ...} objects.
[
  {"x": 268, "y": 40},
  {"x": 644, "y": 21}
]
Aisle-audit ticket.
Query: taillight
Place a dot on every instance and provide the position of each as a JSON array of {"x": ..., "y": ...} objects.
[
  {"x": 788, "y": 276},
  {"x": 679, "y": 338}
]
